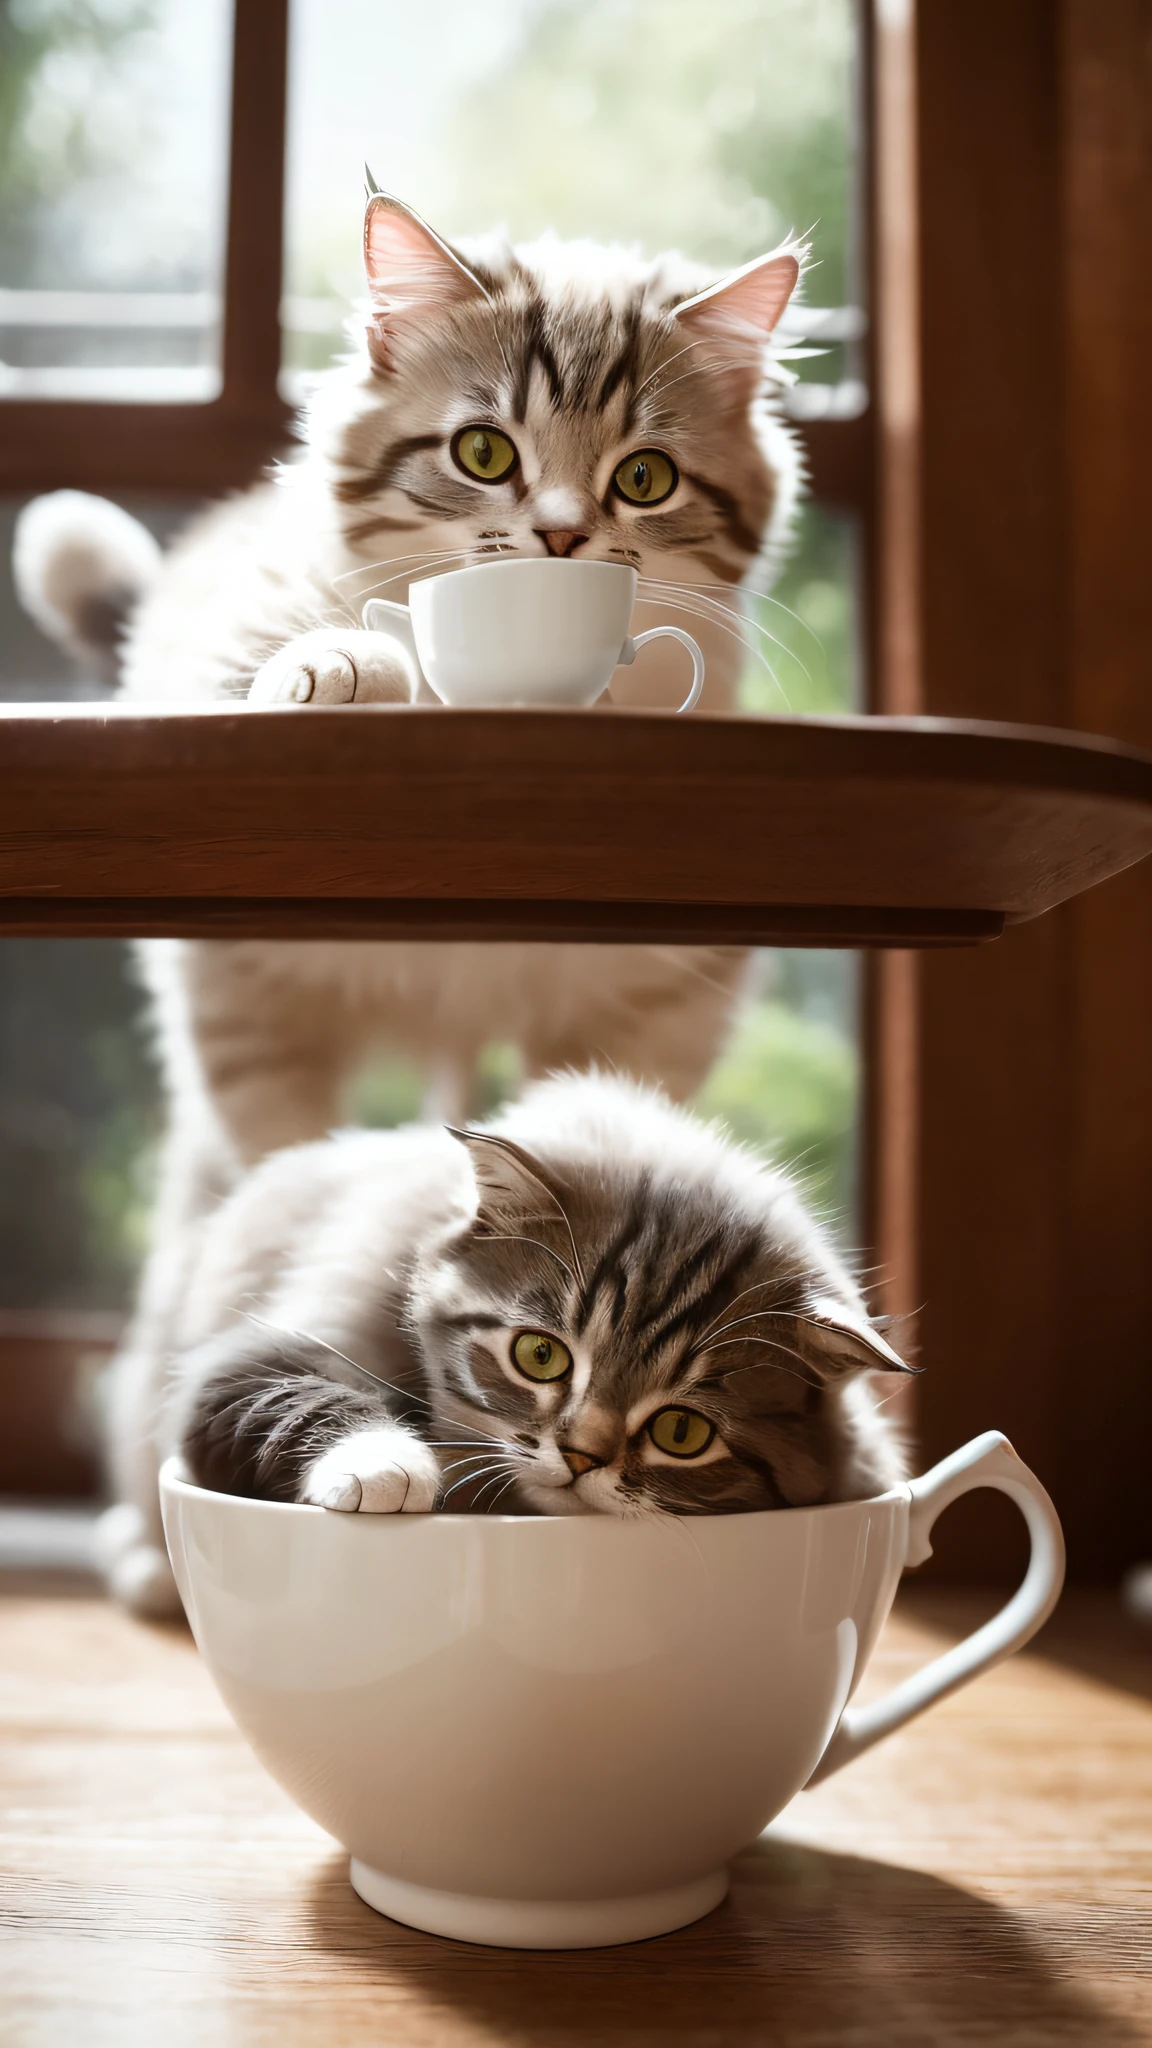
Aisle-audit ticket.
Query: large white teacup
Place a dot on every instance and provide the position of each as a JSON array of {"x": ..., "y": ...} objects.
[
  {"x": 554, "y": 1733},
  {"x": 524, "y": 632}
]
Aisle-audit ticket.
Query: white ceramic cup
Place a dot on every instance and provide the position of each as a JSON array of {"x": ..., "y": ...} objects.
[
  {"x": 553, "y": 1732},
  {"x": 524, "y": 632}
]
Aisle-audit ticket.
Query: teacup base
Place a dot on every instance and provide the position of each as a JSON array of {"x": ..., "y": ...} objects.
[{"x": 538, "y": 1923}]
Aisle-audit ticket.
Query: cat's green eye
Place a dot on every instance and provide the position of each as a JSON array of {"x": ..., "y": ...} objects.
[
  {"x": 646, "y": 478},
  {"x": 540, "y": 1357},
  {"x": 483, "y": 452},
  {"x": 680, "y": 1432}
]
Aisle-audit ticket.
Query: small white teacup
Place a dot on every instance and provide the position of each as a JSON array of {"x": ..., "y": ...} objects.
[{"x": 524, "y": 632}]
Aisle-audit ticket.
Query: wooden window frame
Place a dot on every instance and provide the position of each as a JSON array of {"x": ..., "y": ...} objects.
[
  {"x": 203, "y": 448},
  {"x": 190, "y": 448},
  {"x": 1011, "y": 1092}
]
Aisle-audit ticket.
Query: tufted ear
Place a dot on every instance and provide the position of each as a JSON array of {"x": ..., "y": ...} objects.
[
  {"x": 746, "y": 305},
  {"x": 411, "y": 272},
  {"x": 515, "y": 1190},
  {"x": 837, "y": 1341}
]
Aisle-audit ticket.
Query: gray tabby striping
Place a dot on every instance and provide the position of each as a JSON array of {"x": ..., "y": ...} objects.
[{"x": 384, "y": 1282}]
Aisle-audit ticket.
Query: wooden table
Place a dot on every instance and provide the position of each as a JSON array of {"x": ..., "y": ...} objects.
[
  {"x": 390, "y": 821},
  {"x": 983, "y": 1878}
]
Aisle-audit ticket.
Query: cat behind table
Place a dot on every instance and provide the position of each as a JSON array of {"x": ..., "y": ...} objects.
[
  {"x": 559, "y": 399},
  {"x": 595, "y": 1304}
]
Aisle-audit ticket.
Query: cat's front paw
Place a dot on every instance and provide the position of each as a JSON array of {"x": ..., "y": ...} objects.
[
  {"x": 383, "y": 1471},
  {"x": 336, "y": 665}
]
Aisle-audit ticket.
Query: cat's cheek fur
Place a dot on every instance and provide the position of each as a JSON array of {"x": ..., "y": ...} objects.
[{"x": 385, "y": 1471}]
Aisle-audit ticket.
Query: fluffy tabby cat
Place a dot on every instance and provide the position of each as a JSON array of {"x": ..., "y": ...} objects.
[
  {"x": 594, "y": 1305},
  {"x": 555, "y": 399}
]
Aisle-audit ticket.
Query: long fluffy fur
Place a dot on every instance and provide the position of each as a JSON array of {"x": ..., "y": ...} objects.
[
  {"x": 582, "y": 353},
  {"x": 355, "y": 1304}
]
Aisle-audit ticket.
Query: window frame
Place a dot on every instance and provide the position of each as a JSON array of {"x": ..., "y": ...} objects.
[
  {"x": 220, "y": 444},
  {"x": 46, "y": 444}
]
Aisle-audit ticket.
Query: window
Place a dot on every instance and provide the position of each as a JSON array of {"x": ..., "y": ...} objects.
[
  {"x": 113, "y": 162},
  {"x": 135, "y": 359}
]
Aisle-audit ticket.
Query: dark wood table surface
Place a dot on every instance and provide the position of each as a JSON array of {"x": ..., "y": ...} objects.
[{"x": 388, "y": 821}]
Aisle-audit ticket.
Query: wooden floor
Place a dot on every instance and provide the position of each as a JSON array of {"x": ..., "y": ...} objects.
[{"x": 984, "y": 1877}]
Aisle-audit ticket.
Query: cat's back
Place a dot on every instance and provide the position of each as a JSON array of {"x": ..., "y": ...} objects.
[
  {"x": 346, "y": 1214},
  {"x": 231, "y": 589}
]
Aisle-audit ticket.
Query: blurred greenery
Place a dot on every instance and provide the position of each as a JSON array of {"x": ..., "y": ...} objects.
[
  {"x": 715, "y": 126},
  {"x": 389, "y": 1089},
  {"x": 803, "y": 648},
  {"x": 787, "y": 1083},
  {"x": 50, "y": 132},
  {"x": 79, "y": 1116}
]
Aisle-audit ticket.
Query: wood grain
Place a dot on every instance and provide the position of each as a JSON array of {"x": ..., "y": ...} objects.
[
  {"x": 979, "y": 1882},
  {"x": 552, "y": 824},
  {"x": 1034, "y": 1152}
]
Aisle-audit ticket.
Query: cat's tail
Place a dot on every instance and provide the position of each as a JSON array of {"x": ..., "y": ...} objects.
[{"x": 80, "y": 564}]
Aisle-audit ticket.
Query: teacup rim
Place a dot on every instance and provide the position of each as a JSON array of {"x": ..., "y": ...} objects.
[
  {"x": 534, "y": 562},
  {"x": 173, "y": 1476}
]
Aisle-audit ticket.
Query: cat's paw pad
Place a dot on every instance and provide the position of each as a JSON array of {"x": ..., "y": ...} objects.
[
  {"x": 375, "y": 1472},
  {"x": 332, "y": 666}
]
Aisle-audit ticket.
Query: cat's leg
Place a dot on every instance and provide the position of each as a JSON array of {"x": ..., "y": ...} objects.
[
  {"x": 274, "y": 1032},
  {"x": 254, "y": 1057},
  {"x": 658, "y": 1013},
  {"x": 337, "y": 665},
  {"x": 196, "y": 1170},
  {"x": 264, "y": 1416}
]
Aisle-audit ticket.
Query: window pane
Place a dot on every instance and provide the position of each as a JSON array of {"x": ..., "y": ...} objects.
[
  {"x": 715, "y": 126},
  {"x": 113, "y": 176}
]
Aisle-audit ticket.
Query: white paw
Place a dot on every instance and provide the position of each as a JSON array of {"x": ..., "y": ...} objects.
[
  {"x": 383, "y": 1471},
  {"x": 336, "y": 665}
]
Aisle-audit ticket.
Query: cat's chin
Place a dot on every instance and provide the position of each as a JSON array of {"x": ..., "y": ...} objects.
[
  {"x": 543, "y": 1499},
  {"x": 554, "y": 1500}
]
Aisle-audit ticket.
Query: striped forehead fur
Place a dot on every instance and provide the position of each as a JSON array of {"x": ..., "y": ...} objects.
[
  {"x": 576, "y": 347},
  {"x": 676, "y": 1268}
]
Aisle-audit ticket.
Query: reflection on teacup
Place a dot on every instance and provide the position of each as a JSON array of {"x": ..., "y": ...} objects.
[
  {"x": 548, "y": 1732},
  {"x": 524, "y": 632}
]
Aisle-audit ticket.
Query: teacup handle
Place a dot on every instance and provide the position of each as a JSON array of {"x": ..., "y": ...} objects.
[
  {"x": 628, "y": 655},
  {"x": 988, "y": 1460},
  {"x": 384, "y": 615}
]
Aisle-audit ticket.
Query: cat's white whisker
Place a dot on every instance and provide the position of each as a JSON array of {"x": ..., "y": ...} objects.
[
  {"x": 494, "y": 1503},
  {"x": 471, "y": 1478},
  {"x": 753, "y": 590},
  {"x": 714, "y": 606},
  {"x": 506, "y": 1237},
  {"x": 388, "y": 561},
  {"x": 502, "y": 1488},
  {"x": 695, "y": 609},
  {"x": 309, "y": 1337}
]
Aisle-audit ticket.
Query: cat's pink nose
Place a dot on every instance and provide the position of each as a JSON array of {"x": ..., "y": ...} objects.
[
  {"x": 579, "y": 1462},
  {"x": 560, "y": 540}
]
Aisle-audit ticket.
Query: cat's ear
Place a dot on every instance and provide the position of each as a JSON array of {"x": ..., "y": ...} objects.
[
  {"x": 837, "y": 1341},
  {"x": 411, "y": 273},
  {"x": 514, "y": 1187},
  {"x": 745, "y": 307}
]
